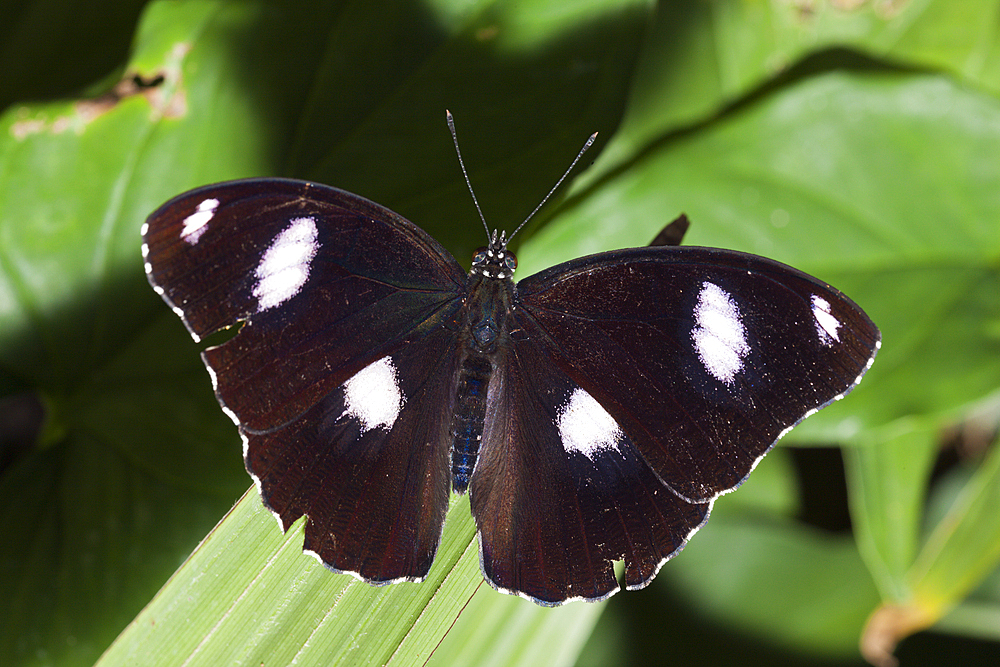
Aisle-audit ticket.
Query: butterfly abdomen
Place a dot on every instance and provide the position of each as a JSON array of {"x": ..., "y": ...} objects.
[{"x": 467, "y": 423}]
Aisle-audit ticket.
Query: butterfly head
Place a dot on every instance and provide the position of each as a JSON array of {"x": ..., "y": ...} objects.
[{"x": 494, "y": 260}]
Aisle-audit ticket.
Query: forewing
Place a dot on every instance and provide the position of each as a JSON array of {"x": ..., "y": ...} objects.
[
  {"x": 559, "y": 491},
  {"x": 325, "y": 281},
  {"x": 705, "y": 357}
]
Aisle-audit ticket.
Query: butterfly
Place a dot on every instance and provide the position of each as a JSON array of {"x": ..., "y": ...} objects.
[{"x": 592, "y": 411}]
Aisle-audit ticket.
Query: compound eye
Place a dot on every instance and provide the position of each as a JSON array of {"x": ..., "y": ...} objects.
[
  {"x": 510, "y": 261},
  {"x": 479, "y": 256}
]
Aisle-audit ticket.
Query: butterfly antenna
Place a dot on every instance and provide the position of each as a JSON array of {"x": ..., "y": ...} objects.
[
  {"x": 590, "y": 142},
  {"x": 461, "y": 163}
]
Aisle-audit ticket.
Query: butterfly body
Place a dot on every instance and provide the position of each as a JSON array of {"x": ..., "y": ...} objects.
[
  {"x": 485, "y": 320},
  {"x": 592, "y": 411}
]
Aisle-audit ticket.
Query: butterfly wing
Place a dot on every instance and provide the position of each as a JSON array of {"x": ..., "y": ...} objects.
[
  {"x": 705, "y": 357},
  {"x": 342, "y": 304},
  {"x": 640, "y": 385}
]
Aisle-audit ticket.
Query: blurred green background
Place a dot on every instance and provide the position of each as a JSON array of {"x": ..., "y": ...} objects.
[{"x": 856, "y": 140}]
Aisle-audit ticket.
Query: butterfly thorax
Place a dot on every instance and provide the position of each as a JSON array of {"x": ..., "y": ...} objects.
[
  {"x": 489, "y": 294},
  {"x": 488, "y": 301}
]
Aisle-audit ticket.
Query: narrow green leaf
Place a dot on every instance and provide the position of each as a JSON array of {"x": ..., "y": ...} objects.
[
  {"x": 965, "y": 545},
  {"x": 887, "y": 485},
  {"x": 248, "y": 595},
  {"x": 961, "y": 550},
  {"x": 509, "y": 631}
]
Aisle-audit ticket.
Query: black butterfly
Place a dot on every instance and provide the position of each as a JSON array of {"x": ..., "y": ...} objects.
[{"x": 593, "y": 411}]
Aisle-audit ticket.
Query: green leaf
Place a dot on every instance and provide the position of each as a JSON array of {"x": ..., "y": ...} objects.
[
  {"x": 249, "y": 594},
  {"x": 888, "y": 489},
  {"x": 500, "y": 630},
  {"x": 961, "y": 550},
  {"x": 965, "y": 545}
]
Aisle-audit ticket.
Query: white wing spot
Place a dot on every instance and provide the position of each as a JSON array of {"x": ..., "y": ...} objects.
[
  {"x": 372, "y": 396},
  {"x": 585, "y": 427},
  {"x": 719, "y": 337},
  {"x": 284, "y": 268},
  {"x": 826, "y": 324},
  {"x": 194, "y": 224}
]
